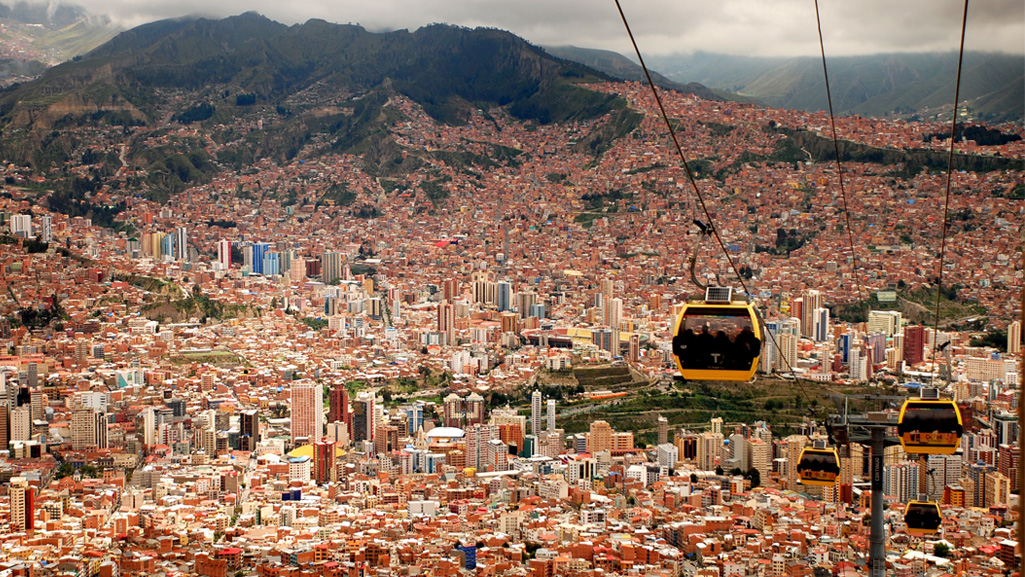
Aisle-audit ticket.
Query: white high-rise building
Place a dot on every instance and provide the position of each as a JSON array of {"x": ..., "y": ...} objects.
[
  {"x": 858, "y": 366},
  {"x": 46, "y": 228},
  {"x": 820, "y": 321},
  {"x": 181, "y": 243},
  {"x": 535, "y": 413},
  {"x": 551, "y": 416},
  {"x": 886, "y": 322},
  {"x": 224, "y": 254},
  {"x": 149, "y": 426},
  {"x": 21, "y": 225}
]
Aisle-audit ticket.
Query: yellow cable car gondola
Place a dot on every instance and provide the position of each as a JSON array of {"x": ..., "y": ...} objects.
[
  {"x": 922, "y": 518},
  {"x": 717, "y": 338},
  {"x": 818, "y": 467},
  {"x": 932, "y": 427}
]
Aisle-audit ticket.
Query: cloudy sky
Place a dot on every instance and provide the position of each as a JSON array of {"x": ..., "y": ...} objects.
[{"x": 743, "y": 27}]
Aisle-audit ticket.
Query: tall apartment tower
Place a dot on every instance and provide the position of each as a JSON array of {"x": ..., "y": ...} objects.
[
  {"x": 811, "y": 300},
  {"x": 224, "y": 253},
  {"x": 447, "y": 322},
  {"x": 338, "y": 405},
  {"x": 535, "y": 413},
  {"x": 330, "y": 266},
  {"x": 363, "y": 418},
  {"x": 1014, "y": 338},
  {"x": 181, "y": 243},
  {"x": 249, "y": 429},
  {"x": 914, "y": 345},
  {"x": 551, "y": 417},
  {"x": 22, "y": 498},
  {"x": 663, "y": 430},
  {"x": 307, "y": 411}
]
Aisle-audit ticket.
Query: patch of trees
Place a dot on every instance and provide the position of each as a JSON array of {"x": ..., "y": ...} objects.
[
  {"x": 980, "y": 134},
  {"x": 198, "y": 113}
]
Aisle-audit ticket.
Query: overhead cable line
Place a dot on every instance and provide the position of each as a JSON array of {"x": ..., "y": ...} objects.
[
  {"x": 697, "y": 193},
  {"x": 839, "y": 167},
  {"x": 946, "y": 195}
]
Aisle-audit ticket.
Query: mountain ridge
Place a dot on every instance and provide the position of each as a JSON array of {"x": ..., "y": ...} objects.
[{"x": 890, "y": 84}]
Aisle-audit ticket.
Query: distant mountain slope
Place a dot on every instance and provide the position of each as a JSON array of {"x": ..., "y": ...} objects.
[
  {"x": 992, "y": 85},
  {"x": 444, "y": 68},
  {"x": 35, "y": 36},
  {"x": 620, "y": 67},
  {"x": 316, "y": 83}
]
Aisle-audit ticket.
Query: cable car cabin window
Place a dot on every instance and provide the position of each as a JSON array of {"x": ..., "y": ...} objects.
[
  {"x": 818, "y": 467},
  {"x": 929, "y": 427},
  {"x": 922, "y": 517},
  {"x": 719, "y": 338}
]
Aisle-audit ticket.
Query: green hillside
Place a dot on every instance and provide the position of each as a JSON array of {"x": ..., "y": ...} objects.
[{"x": 323, "y": 84}]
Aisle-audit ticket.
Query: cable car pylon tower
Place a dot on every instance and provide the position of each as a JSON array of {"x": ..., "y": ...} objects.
[{"x": 872, "y": 429}]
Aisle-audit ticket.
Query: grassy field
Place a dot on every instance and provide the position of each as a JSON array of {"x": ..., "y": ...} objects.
[{"x": 781, "y": 403}]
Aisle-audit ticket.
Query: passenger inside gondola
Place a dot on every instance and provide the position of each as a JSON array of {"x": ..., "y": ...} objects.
[{"x": 716, "y": 342}]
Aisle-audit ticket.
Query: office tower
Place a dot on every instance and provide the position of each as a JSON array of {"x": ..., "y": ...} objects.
[
  {"x": 88, "y": 429},
  {"x": 810, "y": 301},
  {"x": 307, "y": 411},
  {"x": 914, "y": 343},
  {"x": 259, "y": 251},
  {"x": 524, "y": 302},
  {"x": 249, "y": 429},
  {"x": 338, "y": 404},
  {"x": 886, "y": 322},
  {"x": 22, "y": 499},
  {"x": 600, "y": 437},
  {"x": 450, "y": 290},
  {"x": 324, "y": 469},
  {"x": 330, "y": 266},
  {"x": 5, "y": 425},
  {"x": 271, "y": 264},
  {"x": 858, "y": 366},
  {"x": 535, "y": 413},
  {"x": 613, "y": 312},
  {"x": 363, "y": 418},
  {"x": 551, "y": 416},
  {"x": 709, "y": 444},
  {"x": 447, "y": 322},
  {"x": 32, "y": 370},
  {"x": 1014, "y": 338},
  {"x": 21, "y": 423},
  {"x": 663, "y": 430},
  {"x": 820, "y": 322},
  {"x": 607, "y": 288},
  {"x": 716, "y": 425},
  {"x": 21, "y": 225},
  {"x": 181, "y": 243},
  {"x": 224, "y": 253},
  {"x": 46, "y": 228},
  {"x": 503, "y": 298},
  {"x": 414, "y": 418},
  {"x": 786, "y": 358}
]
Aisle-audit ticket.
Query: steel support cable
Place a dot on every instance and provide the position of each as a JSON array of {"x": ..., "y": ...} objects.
[
  {"x": 697, "y": 191},
  {"x": 839, "y": 167},
  {"x": 946, "y": 195}
]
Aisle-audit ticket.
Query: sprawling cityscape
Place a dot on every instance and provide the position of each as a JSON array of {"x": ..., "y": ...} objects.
[{"x": 307, "y": 367}]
